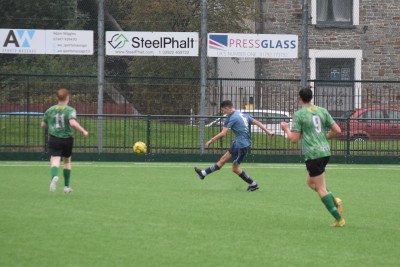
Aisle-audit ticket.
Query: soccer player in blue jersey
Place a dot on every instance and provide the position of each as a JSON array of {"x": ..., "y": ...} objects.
[{"x": 239, "y": 123}]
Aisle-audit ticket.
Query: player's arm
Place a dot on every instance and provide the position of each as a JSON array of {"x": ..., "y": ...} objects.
[
  {"x": 218, "y": 136},
  {"x": 294, "y": 137},
  {"x": 74, "y": 124},
  {"x": 334, "y": 131},
  {"x": 262, "y": 126},
  {"x": 43, "y": 122}
]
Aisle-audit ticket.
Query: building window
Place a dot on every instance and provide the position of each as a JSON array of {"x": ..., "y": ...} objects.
[
  {"x": 335, "y": 12},
  {"x": 335, "y": 69},
  {"x": 335, "y": 76}
]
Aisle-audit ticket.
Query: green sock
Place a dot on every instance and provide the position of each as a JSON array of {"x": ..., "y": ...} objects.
[
  {"x": 329, "y": 192},
  {"x": 67, "y": 177},
  {"x": 330, "y": 206},
  {"x": 54, "y": 172}
]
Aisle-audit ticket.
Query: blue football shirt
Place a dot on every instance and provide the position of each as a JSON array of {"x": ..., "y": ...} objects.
[{"x": 239, "y": 123}]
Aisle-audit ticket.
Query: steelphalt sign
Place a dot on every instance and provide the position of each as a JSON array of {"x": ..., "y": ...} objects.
[{"x": 152, "y": 44}]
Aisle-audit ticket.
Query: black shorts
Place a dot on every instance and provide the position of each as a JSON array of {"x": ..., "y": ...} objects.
[
  {"x": 316, "y": 167},
  {"x": 238, "y": 154},
  {"x": 61, "y": 147}
]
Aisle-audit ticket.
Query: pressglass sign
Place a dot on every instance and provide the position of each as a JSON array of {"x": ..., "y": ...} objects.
[
  {"x": 252, "y": 45},
  {"x": 152, "y": 44},
  {"x": 54, "y": 42}
]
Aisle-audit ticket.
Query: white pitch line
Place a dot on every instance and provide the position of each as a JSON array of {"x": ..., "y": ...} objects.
[{"x": 180, "y": 165}]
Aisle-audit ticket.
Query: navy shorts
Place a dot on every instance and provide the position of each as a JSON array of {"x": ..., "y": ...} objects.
[
  {"x": 316, "y": 167},
  {"x": 238, "y": 154},
  {"x": 61, "y": 147}
]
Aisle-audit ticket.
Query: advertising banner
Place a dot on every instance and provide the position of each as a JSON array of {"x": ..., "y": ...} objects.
[
  {"x": 64, "y": 42},
  {"x": 252, "y": 45},
  {"x": 54, "y": 42},
  {"x": 178, "y": 44}
]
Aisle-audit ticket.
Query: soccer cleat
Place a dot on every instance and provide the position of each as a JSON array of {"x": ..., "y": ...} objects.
[
  {"x": 67, "y": 190},
  {"x": 338, "y": 223},
  {"x": 252, "y": 188},
  {"x": 198, "y": 171},
  {"x": 53, "y": 184},
  {"x": 339, "y": 204}
]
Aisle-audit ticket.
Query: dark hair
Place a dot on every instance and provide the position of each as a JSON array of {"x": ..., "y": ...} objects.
[
  {"x": 226, "y": 104},
  {"x": 306, "y": 94}
]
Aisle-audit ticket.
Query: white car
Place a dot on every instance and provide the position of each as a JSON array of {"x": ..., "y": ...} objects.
[{"x": 270, "y": 118}]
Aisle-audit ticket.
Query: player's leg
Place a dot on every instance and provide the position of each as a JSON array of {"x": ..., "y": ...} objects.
[
  {"x": 327, "y": 198},
  {"x": 238, "y": 155},
  {"x": 67, "y": 175},
  {"x": 316, "y": 177},
  {"x": 67, "y": 154},
  {"x": 310, "y": 183},
  {"x": 55, "y": 151},
  {"x": 217, "y": 166},
  {"x": 54, "y": 165},
  {"x": 338, "y": 202}
]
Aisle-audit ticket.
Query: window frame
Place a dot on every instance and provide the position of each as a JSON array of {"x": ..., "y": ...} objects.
[
  {"x": 391, "y": 116},
  {"x": 315, "y": 54},
  {"x": 355, "y": 16},
  {"x": 318, "y": 62}
]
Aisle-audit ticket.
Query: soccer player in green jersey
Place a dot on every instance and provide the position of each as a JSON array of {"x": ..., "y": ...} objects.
[
  {"x": 314, "y": 125},
  {"x": 60, "y": 119}
]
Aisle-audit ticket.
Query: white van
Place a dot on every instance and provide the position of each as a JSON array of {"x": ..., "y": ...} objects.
[{"x": 270, "y": 118}]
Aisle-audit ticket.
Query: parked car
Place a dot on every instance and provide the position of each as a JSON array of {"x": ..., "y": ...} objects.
[
  {"x": 370, "y": 123},
  {"x": 270, "y": 118}
]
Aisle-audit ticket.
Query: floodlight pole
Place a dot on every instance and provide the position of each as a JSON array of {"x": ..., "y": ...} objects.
[
  {"x": 203, "y": 71},
  {"x": 304, "y": 46},
  {"x": 100, "y": 75}
]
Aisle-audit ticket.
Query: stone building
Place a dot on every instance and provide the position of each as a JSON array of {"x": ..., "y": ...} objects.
[{"x": 353, "y": 53}]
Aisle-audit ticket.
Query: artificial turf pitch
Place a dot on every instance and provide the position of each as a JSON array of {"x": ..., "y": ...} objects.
[{"x": 161, "y": 214}]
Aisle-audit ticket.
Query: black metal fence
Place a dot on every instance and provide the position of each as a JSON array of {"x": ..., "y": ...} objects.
[
  {"x": 169, "y": 134},
  {"x": 163, "y": 112}
]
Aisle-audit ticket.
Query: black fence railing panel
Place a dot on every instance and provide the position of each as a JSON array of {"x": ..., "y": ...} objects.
[
  {"x": 166, "y": 134},
  {"x": 163, "y": 113}
]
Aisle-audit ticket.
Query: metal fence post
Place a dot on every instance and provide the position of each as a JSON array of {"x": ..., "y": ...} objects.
[
  {"x": 304, "y": 46},
  {"x": 27, "y": 109},
  {"x": 203, "y": 71},
  {"x": 348, "y": 137},
  {"x": 100, "y": 75},
  {"x": 148, "y": 131}
]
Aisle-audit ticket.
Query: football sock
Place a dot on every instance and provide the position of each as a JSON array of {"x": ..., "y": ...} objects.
[
  {"x": 330, "y": 193},
  {"x": 54, "y": 172},
  {"x": 211, "y": 169},
  {"x": 246, "y": 178},
  {"x": 67, "y": 177},
  {"x": 330, "y": 206}
]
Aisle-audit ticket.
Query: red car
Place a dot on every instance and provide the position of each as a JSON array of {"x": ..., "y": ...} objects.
[{"x": 370, "y": 123}]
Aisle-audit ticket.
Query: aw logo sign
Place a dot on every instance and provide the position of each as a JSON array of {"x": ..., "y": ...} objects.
[
  {"x": 218, "y": 42},
  {"x": 22, "y": 41},
  {"x": 15, "y": 37}
]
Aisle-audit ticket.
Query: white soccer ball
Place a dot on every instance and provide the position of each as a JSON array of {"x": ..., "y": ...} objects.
[{"x": 139, "y": 148}]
